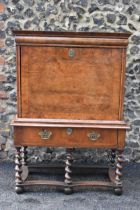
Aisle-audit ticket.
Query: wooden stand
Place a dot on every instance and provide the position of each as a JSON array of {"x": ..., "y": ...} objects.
[{"x": 113, "y": 170}]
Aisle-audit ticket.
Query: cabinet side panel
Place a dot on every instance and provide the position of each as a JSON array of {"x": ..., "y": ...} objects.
[
  {"x": 25, "y": 56},
  {"x": 121, "y": 139},
  {"x": 122, "y": 83},
  {"x": 18, "y": 69},
  {"x": 117, "y": 81}
]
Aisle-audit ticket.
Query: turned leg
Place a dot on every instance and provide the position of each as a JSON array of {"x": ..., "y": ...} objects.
[
  {"x": 112, "y": 157},
  {"x": 68, "y": 171},
  {"x": 24, "y": 155},
  {"x": 18, "y": 171},
  {"x": 25, "y": 171},
  {"x": 118, "y": 181}
]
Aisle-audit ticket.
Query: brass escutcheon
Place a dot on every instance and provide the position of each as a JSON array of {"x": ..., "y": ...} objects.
[
  {"x": 71, "y": 53},
  {"x": 93, "y": 136},
  {"x": 44, "y": 134}
]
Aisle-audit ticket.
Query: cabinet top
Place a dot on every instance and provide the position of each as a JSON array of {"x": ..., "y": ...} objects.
[
  {"x": 71, "y": 38},
  {"x": 73, "y": 34}
]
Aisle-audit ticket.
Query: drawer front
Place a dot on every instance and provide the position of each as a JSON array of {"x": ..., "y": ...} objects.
[{"x": 65, "y": 137}]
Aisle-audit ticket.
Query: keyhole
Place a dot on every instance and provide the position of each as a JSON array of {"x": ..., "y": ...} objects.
[{"x": 71, "y": 53}]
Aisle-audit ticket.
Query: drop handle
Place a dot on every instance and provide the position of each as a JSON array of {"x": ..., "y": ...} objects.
[
  {"x": 93, "y": 136},
  {"x": 45, "y": 134}
]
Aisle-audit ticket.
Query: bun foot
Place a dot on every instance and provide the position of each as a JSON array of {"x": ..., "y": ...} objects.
[
  {"x": 19, "y": 190},
  {"x": 68, "y": 190},
  {"x": 118, "y": 191}
]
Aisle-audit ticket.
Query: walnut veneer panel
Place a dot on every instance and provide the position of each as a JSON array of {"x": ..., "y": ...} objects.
[{"x": 55, "y": 85}]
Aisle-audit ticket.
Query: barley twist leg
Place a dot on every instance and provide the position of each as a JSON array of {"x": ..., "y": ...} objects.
[
  {"x": 24, "y": 155},
  {"x": 112, "y": 157},
  {"x": 18, "y": 171},
  {"x": 68, "y": 171},
  {"x": 118, "y": 181}
]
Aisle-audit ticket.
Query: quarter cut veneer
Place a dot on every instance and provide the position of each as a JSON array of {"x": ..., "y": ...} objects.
[{"x": 70, "y": 91}]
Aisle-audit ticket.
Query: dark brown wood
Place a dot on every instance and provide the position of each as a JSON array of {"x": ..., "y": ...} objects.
[
  {"x": 60, "y": 169},
  {"x": 111, "y": 174},
  {"x": 25, "y": 171},
  {"x": 18, "y": 171},
  {"x": 75, "y": 183},
  {"x": 118, "y": 181},
  {"x": 112, "y": 157},
  {"x": 43, "y": 182},
  {"x": 68, "y": 172},
  {"x": 72, "y": 184},
  {"x": 24, "y": 155},
  {"x": 71, "y": 38},
  {"x": 72, "y": 34},
  {"x": 70, "y": 92}
]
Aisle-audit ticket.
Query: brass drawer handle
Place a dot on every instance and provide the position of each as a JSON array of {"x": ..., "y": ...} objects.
[
  {"x": 44, "y": 134},
  {"x": 93, "y": 136}
]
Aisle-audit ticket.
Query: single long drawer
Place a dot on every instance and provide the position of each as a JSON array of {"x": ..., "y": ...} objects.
[{"x": 65, "y": 137}]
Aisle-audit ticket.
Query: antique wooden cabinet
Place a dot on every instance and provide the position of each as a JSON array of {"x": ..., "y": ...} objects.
[{"x": 70, "y": 90}]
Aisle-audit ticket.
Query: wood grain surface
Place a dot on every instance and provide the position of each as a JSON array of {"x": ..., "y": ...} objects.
[{"x": 54, "y": 85}]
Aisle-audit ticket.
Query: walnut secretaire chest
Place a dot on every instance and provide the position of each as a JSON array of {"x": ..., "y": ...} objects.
[{"x": 70, "y": 90}]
